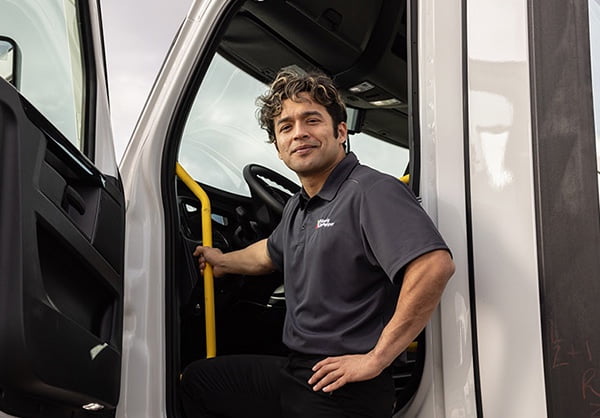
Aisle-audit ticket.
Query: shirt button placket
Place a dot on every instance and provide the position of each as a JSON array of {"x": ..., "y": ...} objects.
[{"x": 305, "y": 220}]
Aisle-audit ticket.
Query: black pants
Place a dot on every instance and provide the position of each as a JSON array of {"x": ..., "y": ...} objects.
[{"x": 267, "y": 386}]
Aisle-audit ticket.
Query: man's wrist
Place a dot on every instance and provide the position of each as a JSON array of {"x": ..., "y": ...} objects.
[{"x": 379, "y": 359}]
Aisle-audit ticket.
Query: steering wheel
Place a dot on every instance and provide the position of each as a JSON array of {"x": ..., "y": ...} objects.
[{"x": 273, "y": 197}]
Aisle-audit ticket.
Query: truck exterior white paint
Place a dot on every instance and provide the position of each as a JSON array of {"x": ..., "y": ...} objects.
[{"x": 502, "y": 208}]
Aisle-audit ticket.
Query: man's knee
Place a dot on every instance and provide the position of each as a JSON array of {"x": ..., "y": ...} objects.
[
  {"x": 232, "y": 385},
  {"x": 195, "y": 376},
  {"x": 192, "y": 390}
]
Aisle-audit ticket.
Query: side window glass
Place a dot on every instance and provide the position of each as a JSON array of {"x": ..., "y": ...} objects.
[
  {"x": 7, "y": 61},
  {"x": 383, "y": 156},
  {"x": 43, "y": 59}
]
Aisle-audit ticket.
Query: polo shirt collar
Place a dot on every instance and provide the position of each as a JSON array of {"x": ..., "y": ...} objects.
[{"x": 333, "y": 183}]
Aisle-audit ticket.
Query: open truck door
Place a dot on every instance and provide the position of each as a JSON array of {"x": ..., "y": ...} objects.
[{"x": 62, "y": 215}]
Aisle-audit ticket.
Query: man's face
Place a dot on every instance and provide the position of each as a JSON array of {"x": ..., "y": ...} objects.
[{"x": 305, "y": 137}]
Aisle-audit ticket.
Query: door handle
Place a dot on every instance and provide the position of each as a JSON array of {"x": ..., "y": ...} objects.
[{"x": 73, "y": 198}]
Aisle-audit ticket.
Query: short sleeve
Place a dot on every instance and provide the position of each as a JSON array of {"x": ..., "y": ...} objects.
[
  {"x": 275, "y": 247},
  {"x": 395, "y": 228}
]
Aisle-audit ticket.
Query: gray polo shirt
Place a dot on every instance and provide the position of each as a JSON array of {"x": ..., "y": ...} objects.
[{"x": 343, "y": 255}]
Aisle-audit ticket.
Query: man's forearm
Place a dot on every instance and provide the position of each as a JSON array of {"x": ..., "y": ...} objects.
[
  {"x": 252, "y": 260},
  {"x": 422, "y": 288},
  {"x": 424, "y": 282}
]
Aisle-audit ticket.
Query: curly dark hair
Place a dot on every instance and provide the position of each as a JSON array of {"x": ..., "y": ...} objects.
[{"x": 289, "y": 84}]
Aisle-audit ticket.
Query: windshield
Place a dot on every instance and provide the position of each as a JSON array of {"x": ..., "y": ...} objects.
[{"x": 222, "y": 134}]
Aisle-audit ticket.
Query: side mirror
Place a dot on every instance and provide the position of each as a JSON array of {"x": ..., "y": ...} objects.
[{"x": 7, "y": 61}]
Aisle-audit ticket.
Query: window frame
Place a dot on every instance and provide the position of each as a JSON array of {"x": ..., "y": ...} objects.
[
  {"x": 171, "y": 149},
  {"x": 88, "y": 61}
]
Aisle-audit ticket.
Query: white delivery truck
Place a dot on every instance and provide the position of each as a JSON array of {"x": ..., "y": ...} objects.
[{"x": 487, "y": 105}]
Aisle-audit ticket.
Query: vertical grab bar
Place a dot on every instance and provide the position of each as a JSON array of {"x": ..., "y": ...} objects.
[{"x": 209, "y": 288}]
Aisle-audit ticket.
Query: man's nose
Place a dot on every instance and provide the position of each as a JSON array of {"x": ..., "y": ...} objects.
[{"x": 300, "y": 131}]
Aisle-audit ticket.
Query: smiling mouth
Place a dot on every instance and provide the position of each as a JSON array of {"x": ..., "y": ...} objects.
[{"x": 303, "y": 148}]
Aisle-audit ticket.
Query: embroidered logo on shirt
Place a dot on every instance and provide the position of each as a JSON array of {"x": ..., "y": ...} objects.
[{"x": 324, "y": 223}]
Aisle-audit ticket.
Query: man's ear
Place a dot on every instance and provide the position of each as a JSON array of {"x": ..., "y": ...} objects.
[
  {"x": 277, "y": 148},
  {"x": 342, "y": 132}
]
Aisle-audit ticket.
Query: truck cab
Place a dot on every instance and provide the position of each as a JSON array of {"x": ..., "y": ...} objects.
[{"x": 485, "y": 109}]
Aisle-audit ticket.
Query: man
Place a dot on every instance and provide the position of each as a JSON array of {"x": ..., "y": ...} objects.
[{"x": 364, "y": 268}]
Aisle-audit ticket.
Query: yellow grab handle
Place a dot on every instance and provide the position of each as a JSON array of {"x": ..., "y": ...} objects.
[
  {"x": 209, "y": 287},
  {"x": 405, "y": 179}
]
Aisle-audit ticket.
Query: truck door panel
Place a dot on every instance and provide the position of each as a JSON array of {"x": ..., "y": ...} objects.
[{"x": 61, "y": 263}]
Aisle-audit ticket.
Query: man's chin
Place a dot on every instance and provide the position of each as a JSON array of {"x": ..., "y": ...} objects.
[{"x": 301, "y": 165}]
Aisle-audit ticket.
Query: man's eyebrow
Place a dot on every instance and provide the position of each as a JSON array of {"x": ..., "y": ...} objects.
[{"x": 303, "y": 115}]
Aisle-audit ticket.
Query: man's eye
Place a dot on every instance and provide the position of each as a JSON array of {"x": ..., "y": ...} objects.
[{"x": 284, "y": 128}]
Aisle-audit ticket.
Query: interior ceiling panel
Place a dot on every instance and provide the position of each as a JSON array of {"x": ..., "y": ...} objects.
[
  {"x": 258, "y": 50},
  {"x": 352, "y": 21},
  {"x": 315, "y": 39},
  {"x": 354, "y": 41}
]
